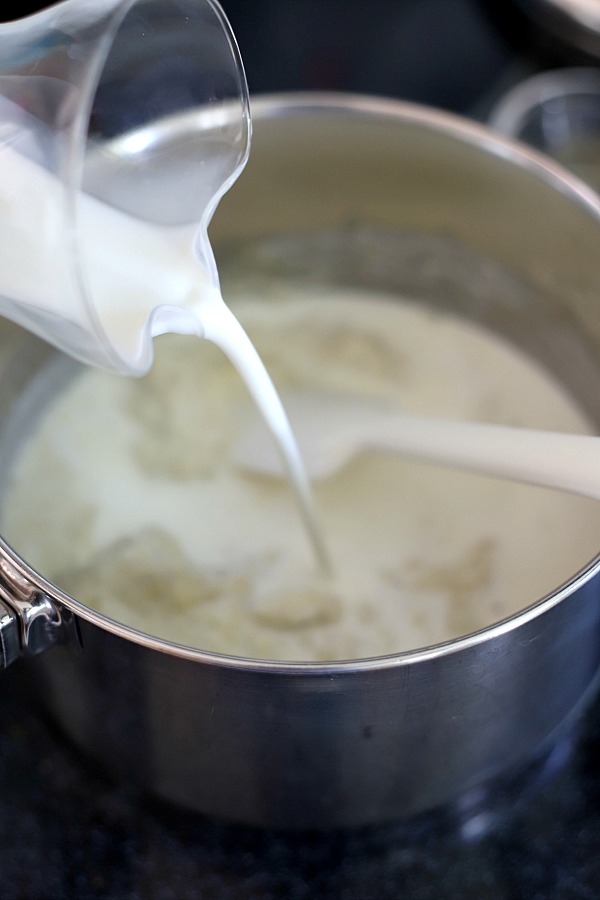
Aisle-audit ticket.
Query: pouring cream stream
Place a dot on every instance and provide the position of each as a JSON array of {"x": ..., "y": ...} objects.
[{"x": 143, "y": 279}]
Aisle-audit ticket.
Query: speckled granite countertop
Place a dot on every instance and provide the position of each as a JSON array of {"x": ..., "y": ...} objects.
[{"x": 66, "y": 832}]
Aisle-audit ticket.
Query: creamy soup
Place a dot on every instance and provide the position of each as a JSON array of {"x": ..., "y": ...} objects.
[{"x": 128, "y": 497}]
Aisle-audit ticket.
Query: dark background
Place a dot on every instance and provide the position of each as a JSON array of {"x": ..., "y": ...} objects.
[{"x": 448, "y": 53}]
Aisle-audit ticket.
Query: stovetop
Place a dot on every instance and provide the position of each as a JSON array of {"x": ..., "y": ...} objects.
[{"x": 67, "y": 832}]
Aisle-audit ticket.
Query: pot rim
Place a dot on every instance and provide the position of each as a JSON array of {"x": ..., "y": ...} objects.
[
  {"x": 509, "y": 113},
  {"x": 280, "y": 105}
]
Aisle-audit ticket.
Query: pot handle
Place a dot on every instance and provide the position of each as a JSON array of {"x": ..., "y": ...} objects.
[
  {"x": 30, "y": 621},
  {"x": 10, "y": 645}
]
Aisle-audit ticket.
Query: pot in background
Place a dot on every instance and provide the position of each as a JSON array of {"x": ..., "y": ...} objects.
[
  {"x": 572, "y": 24},
  {"x": 424, "y": 203},
  {"x": 557, "y": 112},
  {"x": 549, "y": 32}
]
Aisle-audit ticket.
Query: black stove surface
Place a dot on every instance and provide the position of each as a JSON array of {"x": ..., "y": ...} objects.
[{"x": 67, "y": 832}]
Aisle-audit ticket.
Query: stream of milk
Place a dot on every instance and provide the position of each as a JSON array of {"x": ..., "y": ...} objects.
[{"x": 125, "y": 281}]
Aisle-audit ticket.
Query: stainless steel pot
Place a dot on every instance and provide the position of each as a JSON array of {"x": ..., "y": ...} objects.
[
  {"x": 574, "y": 24},
  {"x": 462, "y": 218}
]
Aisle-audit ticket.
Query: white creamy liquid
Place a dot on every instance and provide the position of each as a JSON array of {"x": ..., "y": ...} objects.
[
  {"x": 127, "y": 496},
  {"x": 142, "y": 280}
]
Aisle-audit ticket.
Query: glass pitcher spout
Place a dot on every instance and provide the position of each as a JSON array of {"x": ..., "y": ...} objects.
[{"x": 99, "y": 225}]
